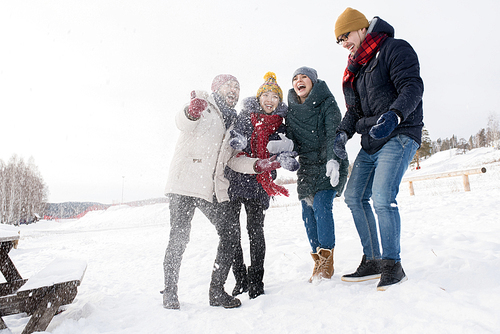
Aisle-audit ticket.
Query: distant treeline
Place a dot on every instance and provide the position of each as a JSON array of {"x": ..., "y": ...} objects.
[
  {"x": 77, "y": 209},
  {"x": 486, "y": 137},
  {"x": 71, "y": 209}
]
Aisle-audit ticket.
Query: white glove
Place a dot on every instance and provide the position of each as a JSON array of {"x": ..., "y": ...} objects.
[
  {"x": 332, "y": 171},
  {"x": 278, "y": 146}
]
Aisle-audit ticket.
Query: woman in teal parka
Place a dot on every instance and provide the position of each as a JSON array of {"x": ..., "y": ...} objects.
[{"x": 312, "y": 121}]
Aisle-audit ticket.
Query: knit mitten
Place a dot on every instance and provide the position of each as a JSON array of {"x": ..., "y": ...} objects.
[
  {"x": 266, "y": 165},
  {"x": 281, "y": 145},
  {"x": 196, "y": 106},
  {"x": 339, "y": 145},
  {"x": 332, "y": 171},
  {"x": 237, "y": 141},
  {"x": 385, "y": 125},
  {"x": 287, "y": 161}
]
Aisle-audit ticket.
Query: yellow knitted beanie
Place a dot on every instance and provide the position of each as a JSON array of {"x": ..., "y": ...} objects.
[
  {"x": 350, "y": 20},
  {"x": 270, "y": 85}
]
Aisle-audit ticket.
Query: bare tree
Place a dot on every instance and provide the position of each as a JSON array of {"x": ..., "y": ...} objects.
[
  {"x": 481, "y": 138},
  {"x": 493, "y": 130},
  {"x": 23, "y": 194},
  {"x": 463, "y": 146}
]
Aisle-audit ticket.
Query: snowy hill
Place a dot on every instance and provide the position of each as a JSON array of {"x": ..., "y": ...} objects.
[
  {"x": 453, "y": 160},
  {"x": 450, "y": 252}
]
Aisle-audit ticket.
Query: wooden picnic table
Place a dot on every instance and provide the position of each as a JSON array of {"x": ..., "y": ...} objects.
[
  {"x": 40, "y": 296},
  {"x": 8, "y": 235}
]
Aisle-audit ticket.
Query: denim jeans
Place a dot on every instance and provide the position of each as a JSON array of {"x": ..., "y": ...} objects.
[
  {"x": 378, "y": 176},
  {"x": 318, "y": 220}
]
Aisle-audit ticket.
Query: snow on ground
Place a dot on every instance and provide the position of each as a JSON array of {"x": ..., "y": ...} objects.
[{"x": 450, "y": 252}]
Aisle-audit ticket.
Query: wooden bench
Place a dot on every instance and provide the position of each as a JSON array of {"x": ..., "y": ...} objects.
[{"x": 40, "y": 296}]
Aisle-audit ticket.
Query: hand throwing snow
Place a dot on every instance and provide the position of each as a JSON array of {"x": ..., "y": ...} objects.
[{"x": 196, "y": 106}]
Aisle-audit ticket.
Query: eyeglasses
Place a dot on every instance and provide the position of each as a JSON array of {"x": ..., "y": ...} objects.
[{"x": 343, "y": 38}]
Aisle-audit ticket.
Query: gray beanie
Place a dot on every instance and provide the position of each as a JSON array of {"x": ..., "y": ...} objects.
[{"x": 310, "y": 72}]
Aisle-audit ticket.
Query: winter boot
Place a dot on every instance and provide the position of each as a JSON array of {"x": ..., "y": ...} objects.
[
  {"x": 255, "y": 282},
  {"x": 392, "y": 274},
  {"x": 325, "y": 268},
  {"x": 367, "y": 270},
  {"x": 219, "y": 297},
  {"x": 323, "y": 264},
  {"x": 170, "y": 300},
  {"x": 316, "y": 264},
  {"x": 241, "y": 278}
]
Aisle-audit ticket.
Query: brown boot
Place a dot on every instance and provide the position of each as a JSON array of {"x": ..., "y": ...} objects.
[
  {"x": 315, "y": 257},
  {"x": 325, "y": 267}
]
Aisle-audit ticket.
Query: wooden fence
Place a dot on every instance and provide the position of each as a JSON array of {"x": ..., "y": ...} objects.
[{"x": 464, "y": 173}]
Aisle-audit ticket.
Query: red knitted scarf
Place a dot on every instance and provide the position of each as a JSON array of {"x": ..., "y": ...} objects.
[
  {"x": 366, "y": 51},
  {"x": 265, "y": 125}
]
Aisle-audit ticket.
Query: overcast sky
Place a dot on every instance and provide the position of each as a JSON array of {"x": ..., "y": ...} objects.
[{"x": 89, "y": 89}]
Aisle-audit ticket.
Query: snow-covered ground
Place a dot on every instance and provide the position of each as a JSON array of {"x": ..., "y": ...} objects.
[{"x": 450, "y": 252}]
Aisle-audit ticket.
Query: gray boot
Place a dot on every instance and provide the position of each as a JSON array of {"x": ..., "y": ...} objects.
[
  {"x": 170, "y": 300},
  {"x": 219, "y": 297}
]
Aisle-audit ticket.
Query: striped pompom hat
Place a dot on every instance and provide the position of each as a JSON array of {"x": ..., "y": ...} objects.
[{"x": 270, "y": 85}]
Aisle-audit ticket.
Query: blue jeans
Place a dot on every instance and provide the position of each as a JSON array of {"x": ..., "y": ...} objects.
[
  {"x": 378, "y": 176},
  {"x": 318, "y": 220}
]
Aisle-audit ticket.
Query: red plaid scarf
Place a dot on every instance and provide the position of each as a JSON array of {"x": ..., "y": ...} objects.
[
  {"x": 265, "y": 125},
  {"x": 366, "y": 51}
]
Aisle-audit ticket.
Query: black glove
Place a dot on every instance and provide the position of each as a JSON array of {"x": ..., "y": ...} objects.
[
  {"x": 238, "y": 141},
  {"x": 385, "y": 125},
  {"x": 339, "y": 145},
  {"x": 287, "y": 161}
]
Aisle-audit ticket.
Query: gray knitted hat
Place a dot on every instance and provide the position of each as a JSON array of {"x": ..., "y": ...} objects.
[{"x": 310, "y": 72}]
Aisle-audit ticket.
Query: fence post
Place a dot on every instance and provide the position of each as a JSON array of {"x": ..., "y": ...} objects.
[{"x": 465, "y": 179}]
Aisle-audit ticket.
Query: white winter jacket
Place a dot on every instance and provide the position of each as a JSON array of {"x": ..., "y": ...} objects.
[{"x": 201, "y": 155}]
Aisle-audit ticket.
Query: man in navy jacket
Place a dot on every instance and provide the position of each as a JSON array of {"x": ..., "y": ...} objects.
[{"x": 383, "y": 93}]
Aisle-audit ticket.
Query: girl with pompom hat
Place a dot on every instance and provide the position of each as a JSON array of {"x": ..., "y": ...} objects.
[{"x": 258, "y": 132}]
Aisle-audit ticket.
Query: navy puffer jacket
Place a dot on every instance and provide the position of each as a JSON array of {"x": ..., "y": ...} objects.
[
  {"x": 389, "y": 81},
  {"x": 246, "y": 185}
]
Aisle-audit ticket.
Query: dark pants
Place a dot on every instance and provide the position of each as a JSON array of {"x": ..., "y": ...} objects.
[
  {"x": 255, "y": 228},
  {"x": 181, "y": 213}
]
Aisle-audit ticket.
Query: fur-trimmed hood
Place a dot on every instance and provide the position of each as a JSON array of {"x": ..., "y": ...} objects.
[{"x": 251, "y": 104}]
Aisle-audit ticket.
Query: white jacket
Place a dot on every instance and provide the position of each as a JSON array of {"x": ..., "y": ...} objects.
[{"x": 201, "y": 155}]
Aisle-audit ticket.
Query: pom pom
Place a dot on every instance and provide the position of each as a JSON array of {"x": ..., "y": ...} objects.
[
  {"x": 270, "y": 85},
  {"x": 270, "y": 75}
]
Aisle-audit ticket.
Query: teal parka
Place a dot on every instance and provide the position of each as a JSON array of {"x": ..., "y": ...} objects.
[{"x": 312, "y": 126}]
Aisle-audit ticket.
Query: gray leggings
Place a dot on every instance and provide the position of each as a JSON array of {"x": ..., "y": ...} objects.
[{"x": 181, "y": 213}]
